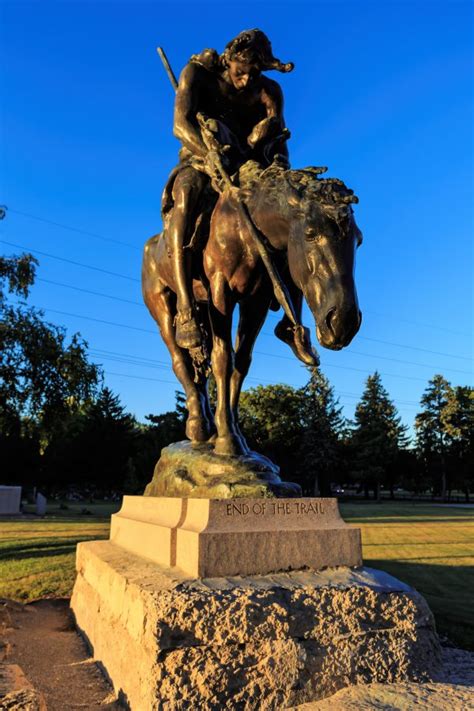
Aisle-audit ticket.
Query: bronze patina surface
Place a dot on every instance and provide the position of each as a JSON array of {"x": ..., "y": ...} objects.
[{"x": 242, "y": 228}]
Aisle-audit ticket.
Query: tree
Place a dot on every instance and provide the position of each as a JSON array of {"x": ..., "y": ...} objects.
[
  {"x": 444, "y": 434},
  {"x": 320, "y": 450},
  {"x": 432, "y": 433},
  {"x": 271, "y": 420},
  {"x": 458, "y": 419},
  {"x": 377, "y": 436},
  {"x": 94, "y": 447},
  {"x": 163, "y": 430},
  {"x": 43, "y": 377}
]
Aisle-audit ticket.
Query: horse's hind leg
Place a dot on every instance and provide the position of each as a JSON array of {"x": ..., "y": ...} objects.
[
  {"x": 252, "y": 317},
  {"x": 221, "y": 308},
  {"x": 163, "y": 309}
]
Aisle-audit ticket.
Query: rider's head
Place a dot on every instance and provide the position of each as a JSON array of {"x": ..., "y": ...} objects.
[{"x": 247, "y": 55}]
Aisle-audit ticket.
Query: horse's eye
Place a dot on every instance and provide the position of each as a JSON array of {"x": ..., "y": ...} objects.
[{"x": 310, "y": 233}]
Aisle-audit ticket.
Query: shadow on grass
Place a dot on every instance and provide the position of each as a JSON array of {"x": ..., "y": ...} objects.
[
  {"x": 448, "y": 591},
  {"x": 43, "y": 550}
]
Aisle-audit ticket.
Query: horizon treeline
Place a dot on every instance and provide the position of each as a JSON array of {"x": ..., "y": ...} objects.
[{"x": 62, "y": 430}]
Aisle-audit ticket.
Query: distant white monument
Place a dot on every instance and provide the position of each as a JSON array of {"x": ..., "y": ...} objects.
[{"x": 10, "y": 500}]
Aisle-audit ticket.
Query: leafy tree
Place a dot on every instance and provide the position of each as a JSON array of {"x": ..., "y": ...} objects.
[
  {"x": 377, "y": 436},
  {"x": 43, "y": 378},
  {"x": 271, "y": 420},
  {"x": 320, "y": 452},
  {"x": 17, "y": 274}
]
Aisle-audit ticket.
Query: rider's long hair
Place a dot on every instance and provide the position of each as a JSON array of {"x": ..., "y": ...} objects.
[{"x": 253, "y": 47}]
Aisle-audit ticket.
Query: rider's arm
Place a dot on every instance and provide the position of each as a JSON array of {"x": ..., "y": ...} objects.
[
  {"x": 185, "y": 126},
  {"x": 272, "y": 98}
]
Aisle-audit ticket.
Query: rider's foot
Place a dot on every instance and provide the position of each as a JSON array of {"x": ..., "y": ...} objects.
[
  {"x": 298, "y": 338},
  {"x": 188, "y": 334}
]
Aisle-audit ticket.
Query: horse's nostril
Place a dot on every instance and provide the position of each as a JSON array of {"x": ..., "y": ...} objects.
[{"x": 329, "y": 317}]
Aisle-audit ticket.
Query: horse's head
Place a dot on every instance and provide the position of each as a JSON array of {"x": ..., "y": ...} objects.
[
  {"x": 313, "y": 219},
  {"x": 322, "y": 242}
]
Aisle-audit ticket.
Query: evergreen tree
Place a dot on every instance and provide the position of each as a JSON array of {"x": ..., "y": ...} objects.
[
  {"x": 377, "y": 436},
  {"x": 444, "y": 435},
  {"x": 320, "y": 455},
  {"x": 459, "y": 422},
  {"x": 94, "y": 448},
  {"x": 433, "y": 438}
]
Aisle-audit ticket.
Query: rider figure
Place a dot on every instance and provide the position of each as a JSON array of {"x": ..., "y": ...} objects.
[{"x": 244, "y": 109}]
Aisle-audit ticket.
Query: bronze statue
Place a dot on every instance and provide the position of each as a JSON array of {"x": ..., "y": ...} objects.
[{"x": 241, "y": 227}]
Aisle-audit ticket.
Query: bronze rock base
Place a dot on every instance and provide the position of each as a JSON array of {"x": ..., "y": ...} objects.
[{"x": 187, "y": 471}]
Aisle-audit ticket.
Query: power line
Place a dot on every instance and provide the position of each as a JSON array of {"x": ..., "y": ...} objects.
[
  {"x": 345, "y": 367},
  {"x": 123, "y": 276},
  {"x": 415, "y": 348},
  {"x": 395, "y": 360},
  {"x": 70, "y": 261},
  {"x": 413, "y": 323},
  {"x": 88, "y": 291},
  {"x": 99, "y": 320},
  {"x": 270, "y": 355},
  {"x": 139, "y": 377},
  {"x": 74, "y": 229},
  {"x": 176, "y": 383},
  {"x": 128, "y": 355},
  {"x": 132, "y": 246},
  {"x": 263, "y": 333},
  {"x": 400, "y": 345},
  {"x": 152, "y": 363}
]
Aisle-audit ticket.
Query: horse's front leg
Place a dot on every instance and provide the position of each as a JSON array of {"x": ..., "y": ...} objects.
[
  {"x": 252, "y": 317},
  {"x": 221, "y": 307}
]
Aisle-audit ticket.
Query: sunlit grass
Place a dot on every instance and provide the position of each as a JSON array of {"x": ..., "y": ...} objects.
[{"x": 430, "y": 548}]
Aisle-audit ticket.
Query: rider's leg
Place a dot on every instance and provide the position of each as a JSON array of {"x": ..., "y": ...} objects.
[{"x": 187, "y": 190}]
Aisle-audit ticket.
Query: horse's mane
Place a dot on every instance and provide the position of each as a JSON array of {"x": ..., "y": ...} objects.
[{"x": 330, "y": 192}]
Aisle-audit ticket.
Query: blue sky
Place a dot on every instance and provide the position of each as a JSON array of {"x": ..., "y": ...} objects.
[{"x": 381, "y": 93}]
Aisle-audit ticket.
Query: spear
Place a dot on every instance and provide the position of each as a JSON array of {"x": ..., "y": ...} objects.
[{"x": 279, "y": 288}]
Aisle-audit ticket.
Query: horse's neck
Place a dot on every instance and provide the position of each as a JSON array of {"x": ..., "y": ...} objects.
[{"x": 272, "y": 221}]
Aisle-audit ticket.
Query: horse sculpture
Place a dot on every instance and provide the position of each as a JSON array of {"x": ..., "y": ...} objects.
[{"x": 309, "y": 227}]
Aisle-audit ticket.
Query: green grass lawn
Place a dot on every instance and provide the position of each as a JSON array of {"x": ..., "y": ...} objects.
[
  {"x": 429, "y": 547},
  {"x": 37, "y": 554}
]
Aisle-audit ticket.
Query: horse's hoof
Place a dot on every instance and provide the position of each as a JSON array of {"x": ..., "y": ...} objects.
[
  {"x": 197, "y": 429},
  {"x": 230, "y": 446},
  {"x": 299, "y": 340}
]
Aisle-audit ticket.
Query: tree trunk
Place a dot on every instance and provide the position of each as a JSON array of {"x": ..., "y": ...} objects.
[{"x": 443, "y": 478}]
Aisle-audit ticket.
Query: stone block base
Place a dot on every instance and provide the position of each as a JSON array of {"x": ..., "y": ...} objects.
[
  {"x": 217, "y": 538},
  {"x": 257, "y": 642}
]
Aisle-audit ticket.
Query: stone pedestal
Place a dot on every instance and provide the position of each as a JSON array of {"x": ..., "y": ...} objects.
[
  {"x": 217, "y": 538},
  {"x": 249, "y": 642}
]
